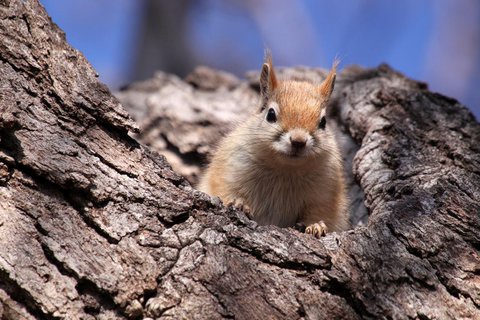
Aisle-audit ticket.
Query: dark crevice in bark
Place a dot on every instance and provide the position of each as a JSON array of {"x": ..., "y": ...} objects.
[
  {"x": 302, "y": 267},
  {"x": 414, "y": 251},
  {"x": 11, "y": 146},
  {"x": 171, "y": 221},
  {"x": 101, "y": 300},
  {"x": 301, "y": 311},
  {"x": 78, "y": 198},
  {"x": 454, "y": 291},
  {"x": 107, "y": 163},
  {"x": 30, "y": 73},
  {"x": 341, "y": 290},
  {"x": 224, "y": 310},
  {"x": 50, "y": 255},
  {"x": 79, "y": 202},
  {"x": 22, "y": 296},
  {"x": 84, "y": 286},
  {"x": 148, "y": 294},
  {"x": 192, "y": 158}
]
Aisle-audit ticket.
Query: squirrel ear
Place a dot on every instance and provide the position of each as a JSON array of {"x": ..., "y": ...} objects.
[
  {"x": 268, "y": 80},
  {"x": 326, "y": 87}
]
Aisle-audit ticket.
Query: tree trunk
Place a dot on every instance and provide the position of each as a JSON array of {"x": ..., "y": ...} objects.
[{"x": 93, "y": 225}]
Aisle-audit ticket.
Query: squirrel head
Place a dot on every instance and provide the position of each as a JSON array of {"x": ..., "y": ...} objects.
[{"x": 292, "y": 114}]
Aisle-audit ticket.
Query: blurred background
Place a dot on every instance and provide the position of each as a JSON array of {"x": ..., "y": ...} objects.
[{"x": 435, "y": 41}]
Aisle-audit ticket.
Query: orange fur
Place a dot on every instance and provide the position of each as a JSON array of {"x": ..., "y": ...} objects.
[
  {"x": 257, "y": 164},
  {"x": 273, "y": 77},
  {"x": 327, "y": 85},
  {"x": 301, "y": 105}
]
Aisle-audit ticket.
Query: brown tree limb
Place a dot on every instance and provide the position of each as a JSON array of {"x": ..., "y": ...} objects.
[{"x": 94, "y": 225}]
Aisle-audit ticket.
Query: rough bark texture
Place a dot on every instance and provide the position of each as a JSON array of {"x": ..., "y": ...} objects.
[{"x": 94, "y": 225}]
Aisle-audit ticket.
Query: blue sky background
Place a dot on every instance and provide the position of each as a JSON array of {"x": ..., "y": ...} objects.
[{"x": 436, "y": 41}]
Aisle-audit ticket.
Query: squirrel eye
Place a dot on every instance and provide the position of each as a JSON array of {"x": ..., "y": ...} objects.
[
  {"x": 322, "y": 123},
  {"x": 271, "y": 116}
]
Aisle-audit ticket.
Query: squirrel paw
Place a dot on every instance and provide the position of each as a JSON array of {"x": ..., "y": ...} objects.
[
  {"x": 240, "y": 205},
  {"x": 317, "y": 229}
]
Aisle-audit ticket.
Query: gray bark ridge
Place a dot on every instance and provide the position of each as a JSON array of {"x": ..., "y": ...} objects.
[{"x": 93, "y": 225}]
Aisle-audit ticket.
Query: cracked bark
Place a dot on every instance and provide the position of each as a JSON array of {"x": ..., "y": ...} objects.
[{"x": 95, "y": 225}]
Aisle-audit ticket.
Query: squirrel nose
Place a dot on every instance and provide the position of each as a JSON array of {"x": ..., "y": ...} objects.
[{"x": 298, "y": 143}]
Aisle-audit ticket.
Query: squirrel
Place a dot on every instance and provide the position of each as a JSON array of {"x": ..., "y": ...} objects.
[{"x": 282, "y": 166}]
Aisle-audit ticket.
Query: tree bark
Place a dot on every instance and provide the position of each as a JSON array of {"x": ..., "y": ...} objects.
[{"x": 94, "y": 225}]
